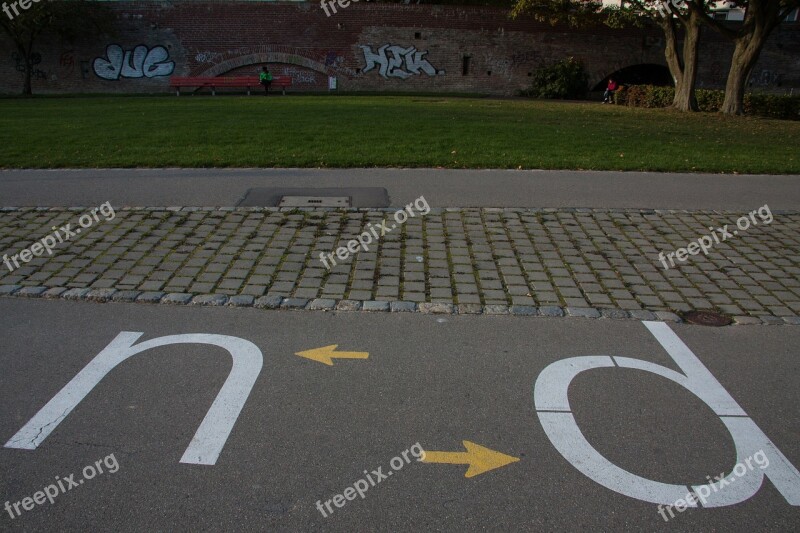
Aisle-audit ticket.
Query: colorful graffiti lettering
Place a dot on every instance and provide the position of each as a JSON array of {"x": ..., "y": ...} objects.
[
  {"x": 140, "y": 62},
  {"x": 397, "y": 62}
]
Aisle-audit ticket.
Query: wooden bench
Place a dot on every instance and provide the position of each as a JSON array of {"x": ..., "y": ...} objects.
[{"x": 222, "y": 82}]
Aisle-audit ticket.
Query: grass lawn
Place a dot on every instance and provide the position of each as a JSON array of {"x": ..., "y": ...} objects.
[{"x": 391, "y": 131}]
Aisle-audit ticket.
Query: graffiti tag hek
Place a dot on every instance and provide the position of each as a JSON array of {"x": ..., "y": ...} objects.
[{"x": 395, "y": 61}]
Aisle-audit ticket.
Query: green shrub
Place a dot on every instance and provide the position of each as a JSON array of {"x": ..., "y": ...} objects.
[
  {"x": 772, "y": 105},
  {"x": 709, "y": 100},
  {"x": 645, "y": 96},
  {"x": 565, "y": 79},
  {"x": 767, "y": 105}
]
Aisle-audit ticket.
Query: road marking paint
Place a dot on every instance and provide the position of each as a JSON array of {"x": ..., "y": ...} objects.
[
  {"x": 552, "y": 406},
  {"x": 327, "y": 354},
  {"x": 479, "y": 458},
  {"x": 210, "y": 438}
]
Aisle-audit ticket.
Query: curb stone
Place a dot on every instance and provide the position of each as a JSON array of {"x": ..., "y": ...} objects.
[
  {"x": 666, "y": 316},
  {"x": 327, "y": 304},
  {"x": 348, "y": 305},
  {"x": 75, "y": 294},
  {"x": 125, "y": 296},
  {"x": 374, "y": 305},
  {"x": 100, "y": 295},
  {"x": 31, "y": 292},
  {"x": 268, "y": 302},
  {"x": 551, "y": 311},
  {"x": 403, "y": 307},
  {"x": 241, "y": 300},
  {"x": 54, "y": 292},
  {"x": 150, "y": 297},
  {"x": 177, "y": 298},
  {"x": 436, "y": 309},
  {"x": 294, "y": 303},
  {"x": 583, "y": 312},
  {"x": 322, "y": 304},
  {"x": 7, "y": 290},
  {"x": 640, "y": 314},
  {"x": 746, "y": 320},
  {"x": 210, "y": 299},
  {"x": 614, "y": 313}
]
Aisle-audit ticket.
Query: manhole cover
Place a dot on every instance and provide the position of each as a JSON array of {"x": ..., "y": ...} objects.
[
  {"x": 357, "y": 196},
  {"x": 707, "y": 318},
  {"x": 314, "y": 201}
]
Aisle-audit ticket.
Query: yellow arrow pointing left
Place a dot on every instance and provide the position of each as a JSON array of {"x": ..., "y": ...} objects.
[{"x": 327, "y": 354}]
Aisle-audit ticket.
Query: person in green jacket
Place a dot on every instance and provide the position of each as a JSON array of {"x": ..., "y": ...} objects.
[{"x": 265, "y": 79}]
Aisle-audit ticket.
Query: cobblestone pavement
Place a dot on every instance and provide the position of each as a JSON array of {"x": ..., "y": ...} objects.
[{"x": 494, "y": 261}]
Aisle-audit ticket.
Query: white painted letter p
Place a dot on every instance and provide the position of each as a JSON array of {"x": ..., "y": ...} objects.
[{"x": 552, "y": 405}]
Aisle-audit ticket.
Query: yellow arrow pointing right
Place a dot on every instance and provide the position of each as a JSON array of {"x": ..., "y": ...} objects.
[
  {"x": 479, "y": 458},
  {"x": 327, "y": 354}
]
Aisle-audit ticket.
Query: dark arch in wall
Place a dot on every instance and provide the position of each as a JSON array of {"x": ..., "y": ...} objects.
[
  {"x": 644, "y": 74},
  {"x": 263, "y": 57}
]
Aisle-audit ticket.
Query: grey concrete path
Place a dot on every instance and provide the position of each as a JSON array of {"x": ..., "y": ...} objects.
[
  {"x": 442, "y": 188},
  {"x": 493, "y": 261}
]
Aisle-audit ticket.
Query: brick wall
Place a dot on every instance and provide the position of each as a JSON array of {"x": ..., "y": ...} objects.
[{"x": 367, "y": 46}]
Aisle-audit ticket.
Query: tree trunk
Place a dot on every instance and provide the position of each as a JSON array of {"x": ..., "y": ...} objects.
[
  {"x": 671, "y": 50},
  {"x": 27, "y": 54},
  {"x": 683, "y": 69},
  {"x": 745, "y": 55},
  {"x": 685, "y": 99},
  {"x": 26, "y": 87}
]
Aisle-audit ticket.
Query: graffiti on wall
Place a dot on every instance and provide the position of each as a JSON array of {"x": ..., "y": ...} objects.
[
  {"x": 395, "y": 61},
  {"x": 299, "y": 75},
  {"x": 207, "y": 57},
  {"x": 66, "y": 64},
  {"x": 333, "y": 59},
  {"x": 36, "y": 59},
  {"x": 336, "y": 62},
  {"x": 141, "y": 62},
  {"x": 766, "y": 78},
  {"x": 498, "y": 65}
]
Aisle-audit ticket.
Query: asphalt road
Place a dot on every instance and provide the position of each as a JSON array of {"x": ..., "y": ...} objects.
[
  {"x": 308, "y": 431},
  {"x": 442, "y": 188}
]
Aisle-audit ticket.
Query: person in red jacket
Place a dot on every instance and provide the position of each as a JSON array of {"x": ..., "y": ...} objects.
[{"x": 608, "y": 96}]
